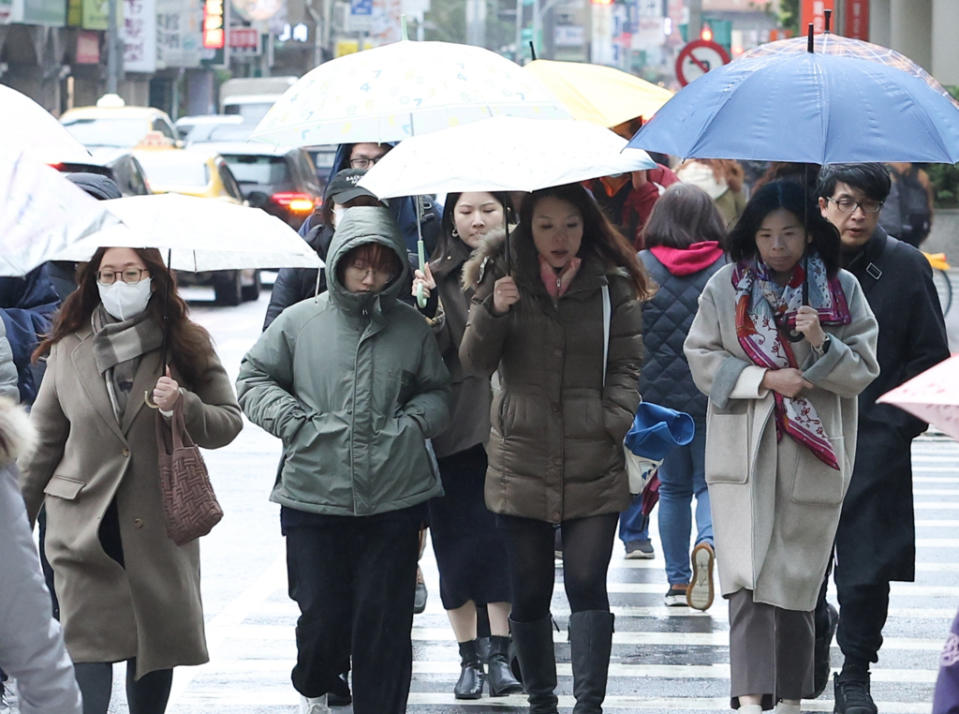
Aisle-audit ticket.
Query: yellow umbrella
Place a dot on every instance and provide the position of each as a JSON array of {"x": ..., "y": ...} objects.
[{"x": 599, "y": 94}]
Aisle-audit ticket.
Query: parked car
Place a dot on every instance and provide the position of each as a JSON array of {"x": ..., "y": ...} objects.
[
  {"x": 119, "y": 164},
  {"x": 280, "y": 181},
  {"x": 206, "y": 175},
  {"x": 112, "y": 123},
  {"x": 324, "y": 156}
]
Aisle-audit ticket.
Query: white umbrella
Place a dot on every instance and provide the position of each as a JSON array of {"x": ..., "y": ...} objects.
[
  {"x": 199, "y": 234},
  {"x": 503, "y": 154},
  {"x": 41, "y": 213},
  {"x": 34, "y": 130},
  {"x": 400, "y": 90}
]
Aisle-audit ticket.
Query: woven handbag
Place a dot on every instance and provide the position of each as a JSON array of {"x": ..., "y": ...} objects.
[{"x": 190, "y": 508}]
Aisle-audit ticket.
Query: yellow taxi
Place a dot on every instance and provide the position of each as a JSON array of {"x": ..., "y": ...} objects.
[{"x": 112, "y": 123}]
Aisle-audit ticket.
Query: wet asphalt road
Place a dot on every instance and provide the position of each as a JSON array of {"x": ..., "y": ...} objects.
[{"x": 668, "y": 660}]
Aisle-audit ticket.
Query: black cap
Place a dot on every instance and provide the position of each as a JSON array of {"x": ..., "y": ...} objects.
[
  {"x": 99, "y": 186},
  {"x": 343, "y": 187}
]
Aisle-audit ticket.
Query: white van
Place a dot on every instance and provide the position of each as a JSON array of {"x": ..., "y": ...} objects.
[{"x": 252, "y": 97}]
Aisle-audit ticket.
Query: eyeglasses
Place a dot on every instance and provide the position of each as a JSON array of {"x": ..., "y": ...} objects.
[
  {"x": 130, "y": 276},
  {"x": 848, "y": 205},
  {"x": 364, "y": 269},
  {"x": 363, "y": 162}
]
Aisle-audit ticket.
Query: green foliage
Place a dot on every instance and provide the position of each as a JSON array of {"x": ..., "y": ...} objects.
[
  {"x": 789, "y": 15},
  {"x": 945, "y": 177}
]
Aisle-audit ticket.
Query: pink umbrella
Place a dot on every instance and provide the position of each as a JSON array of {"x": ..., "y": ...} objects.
[{"x": 933, "y": 396}]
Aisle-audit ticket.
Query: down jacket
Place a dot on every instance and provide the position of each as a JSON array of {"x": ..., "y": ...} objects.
[
  {"x": 556, "y": 442},
  {"x": 353, "y": 385},
  {"x": 150, "y": 607},
  {"x": 31, "y": 644}
]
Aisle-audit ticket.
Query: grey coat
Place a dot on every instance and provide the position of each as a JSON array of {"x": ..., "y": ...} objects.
[
  {"x": 8, "y": 368},
  {"x": 775, "y": 506}
]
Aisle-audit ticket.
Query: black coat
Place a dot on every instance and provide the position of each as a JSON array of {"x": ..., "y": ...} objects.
[
  {"x": 295, "y": 284},
  {"x": 876, "y": 540}
]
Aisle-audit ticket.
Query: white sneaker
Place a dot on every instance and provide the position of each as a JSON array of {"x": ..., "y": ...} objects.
[{"x": 313, "y": 705}]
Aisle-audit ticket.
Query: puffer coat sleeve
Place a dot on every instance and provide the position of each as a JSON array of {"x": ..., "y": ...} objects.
[{"x": 620, "y": 394}]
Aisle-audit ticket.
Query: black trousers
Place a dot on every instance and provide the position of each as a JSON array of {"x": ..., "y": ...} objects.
[
  {"x": 353, "y": 579},
  {"x": 862, "y": 615}
]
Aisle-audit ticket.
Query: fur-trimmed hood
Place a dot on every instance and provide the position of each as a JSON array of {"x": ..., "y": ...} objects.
[
  {"x": 492, "y": 248},
  {"x": 17, "y": 435}
]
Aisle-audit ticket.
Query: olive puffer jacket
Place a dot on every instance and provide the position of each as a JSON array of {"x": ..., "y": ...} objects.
[
  {"x": 556, "y": 442},
  {"x": 353, "y": 384}
]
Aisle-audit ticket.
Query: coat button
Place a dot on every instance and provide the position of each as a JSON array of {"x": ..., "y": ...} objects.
[
  {"x": 126, "y": 452},
  {"x": 138, "y": 523}
]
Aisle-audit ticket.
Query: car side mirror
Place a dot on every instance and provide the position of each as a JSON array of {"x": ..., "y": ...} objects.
[{"x": 257, "y": 199}]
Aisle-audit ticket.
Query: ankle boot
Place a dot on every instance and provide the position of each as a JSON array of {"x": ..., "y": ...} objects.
[
  {"x": 501, "y": 679},
  {"x": 537, "y": 659},
  {"x": 470, "y": 683},
  {"x": 590, "y": 643}
]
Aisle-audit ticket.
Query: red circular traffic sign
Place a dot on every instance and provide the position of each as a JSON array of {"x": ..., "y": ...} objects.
[{"x": 697, "y": 58}]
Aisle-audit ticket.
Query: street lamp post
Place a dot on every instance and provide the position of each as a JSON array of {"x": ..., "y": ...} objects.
[{"x": 114, "y": 55}]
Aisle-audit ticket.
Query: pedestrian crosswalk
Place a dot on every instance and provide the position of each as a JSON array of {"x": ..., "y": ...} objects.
[{"x": 667, "y": 660}]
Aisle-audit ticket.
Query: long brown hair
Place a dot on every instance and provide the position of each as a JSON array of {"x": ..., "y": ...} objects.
[
  {"x": 599, "y": 235},
  {"x": 188, "y": 344}
]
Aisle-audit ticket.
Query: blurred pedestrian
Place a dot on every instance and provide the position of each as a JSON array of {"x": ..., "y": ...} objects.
[
  {"x": 470, "y": 551},
  {"x": 876, "y": 539},
  {"x": 684, "y": 238},
  {"x": 127, "y": 592},
  {"x": 722, "y": 179},
  {"x": 352, "y": 383},
  {"x": 804, "y": 174},
  {"x": 782, "y": 343},
  {"x": 27, "y": 307},
  {"x": 31, "y": 643},
  {"x": 567, "y": 399},
  {"x": 946, "y": 697},
  {"x": 907, "y": 211}
]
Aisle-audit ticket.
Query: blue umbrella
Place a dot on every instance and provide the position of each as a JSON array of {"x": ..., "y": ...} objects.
[{"x": 808, "y": 108}]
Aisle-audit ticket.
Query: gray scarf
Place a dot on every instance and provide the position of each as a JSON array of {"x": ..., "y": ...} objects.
[{"x": 117, "y": 349}]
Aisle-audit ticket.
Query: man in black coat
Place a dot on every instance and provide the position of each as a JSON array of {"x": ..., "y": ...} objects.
[{"x": 876, "y": 539}]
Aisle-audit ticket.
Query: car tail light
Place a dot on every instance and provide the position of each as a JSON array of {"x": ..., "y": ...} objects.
[{"x": 294, "y": 201}]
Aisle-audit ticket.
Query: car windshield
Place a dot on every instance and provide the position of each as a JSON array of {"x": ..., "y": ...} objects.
[
  {"x": 180, "y": 171},
  {"x": 258, "y": 169},
  {"x": 112, "y": 131}
]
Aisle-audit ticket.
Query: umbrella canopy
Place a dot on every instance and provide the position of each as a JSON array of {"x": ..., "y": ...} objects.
[
  {"x": 41, "y": 213},
  {"x": 806, "y": 108},
  {"x": 33, "y": 129},
  {"x": 199, "y": 234},
  {"x": 830, "y": 44},
  {"x": 503, "y": 154},
  {"x": 933, "y": 396},
  {"x": 400, "y": 90},
  {"x": 603, "y": 95}
]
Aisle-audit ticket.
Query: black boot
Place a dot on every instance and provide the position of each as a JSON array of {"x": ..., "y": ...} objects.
[
  {"x": 470, "y": 683},
  {"x": 590, "y": 643},
  {"x": 537, "y": 659},
  {"x": 501, "y": 679},
  {"x": 852, "y": 693}
]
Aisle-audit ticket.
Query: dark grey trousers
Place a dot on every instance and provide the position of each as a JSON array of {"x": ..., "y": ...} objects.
[{"x": 770, "y": 651}]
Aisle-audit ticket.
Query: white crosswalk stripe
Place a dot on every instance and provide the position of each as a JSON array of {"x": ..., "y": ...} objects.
[{"x": 666, "y": 660}]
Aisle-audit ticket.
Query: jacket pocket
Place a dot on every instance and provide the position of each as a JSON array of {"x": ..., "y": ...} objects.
[
  {"x": 64, "y": 487},
  {"x": 822, "y": 485},
  {"x": 727, "y": 443}
]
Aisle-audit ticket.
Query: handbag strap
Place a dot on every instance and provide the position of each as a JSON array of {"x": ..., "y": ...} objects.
[{"x": 607, "y": 316}]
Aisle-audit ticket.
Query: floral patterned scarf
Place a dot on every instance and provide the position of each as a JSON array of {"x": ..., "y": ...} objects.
[{"x": 764, "y": 311}]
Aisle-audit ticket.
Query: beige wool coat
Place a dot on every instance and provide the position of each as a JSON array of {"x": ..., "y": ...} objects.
[
  {"x": 150, "y": 609},
  {"x": 556, "y": 443},
  {"x": 775, "y": 506}
]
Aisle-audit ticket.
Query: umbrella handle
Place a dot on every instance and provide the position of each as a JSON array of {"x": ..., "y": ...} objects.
[{"x": 421, "y": 253}]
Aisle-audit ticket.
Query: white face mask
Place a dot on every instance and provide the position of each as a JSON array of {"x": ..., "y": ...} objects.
[
  {"x": 338, "y": 213},
  {"x": 123, "y": 300}
]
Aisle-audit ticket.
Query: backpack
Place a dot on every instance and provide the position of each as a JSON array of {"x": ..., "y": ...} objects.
[{"x": 906, "y": 214}]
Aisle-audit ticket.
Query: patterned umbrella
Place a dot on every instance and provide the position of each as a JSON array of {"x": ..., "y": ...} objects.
[
  {"x": 400, "y": 90},
  {"x": 933, "y": 396}
]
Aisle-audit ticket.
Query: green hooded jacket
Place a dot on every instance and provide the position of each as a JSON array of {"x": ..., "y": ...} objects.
[{"x": 353, "y": 384}]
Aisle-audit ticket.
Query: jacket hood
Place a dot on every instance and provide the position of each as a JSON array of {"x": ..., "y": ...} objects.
[
  {"x": 361, "y": 225},
  {"x": 17, "y": 435},
  {"x": 492, "y": 247},
  {"x": 686, "y": 261}
]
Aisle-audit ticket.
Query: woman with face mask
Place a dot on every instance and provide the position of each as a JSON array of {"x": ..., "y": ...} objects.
[
  {"x": 470, "y": 552},
  {"x": 127, "y": 592},
  {"x": 567, "y": 397}
]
